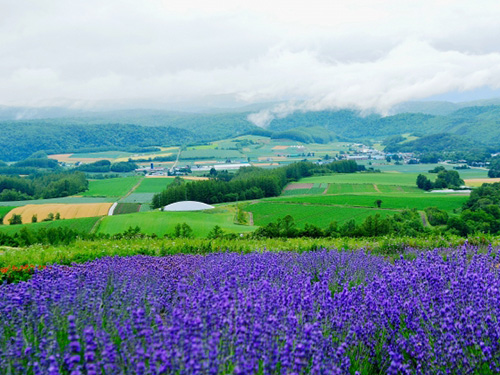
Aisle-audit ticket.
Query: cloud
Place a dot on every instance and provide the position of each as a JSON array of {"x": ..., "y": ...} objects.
[{"x": 312, "y": 55}]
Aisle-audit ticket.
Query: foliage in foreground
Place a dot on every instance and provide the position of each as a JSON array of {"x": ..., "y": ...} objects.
[
  {"x": 84, "y": 250},
  {"x": 315, "y": 312}
]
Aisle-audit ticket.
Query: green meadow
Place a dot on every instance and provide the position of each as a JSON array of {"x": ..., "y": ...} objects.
[
  {"x": 161, "y": 223},
  {"x": 153, "y": 185},
  {"x": 401, "y": 179},
  {"x": 420, "y": 202},
  {"x": 112, "y": 187},
  {"x": 81, "y": 225},
  {"x": 268, "y": 211}
]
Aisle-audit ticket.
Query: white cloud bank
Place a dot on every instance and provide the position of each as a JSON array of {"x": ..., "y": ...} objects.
[{"x": 322, "y": 54}]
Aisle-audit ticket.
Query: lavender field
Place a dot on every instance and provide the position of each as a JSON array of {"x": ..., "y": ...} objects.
[{"x": 320, "y": 312}]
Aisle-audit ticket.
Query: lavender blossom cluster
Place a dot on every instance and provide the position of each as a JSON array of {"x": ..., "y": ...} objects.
[{"x": 321, "y": 312}]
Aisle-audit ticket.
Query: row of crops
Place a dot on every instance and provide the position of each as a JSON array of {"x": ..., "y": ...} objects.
[{"x": 324, "y": 311}]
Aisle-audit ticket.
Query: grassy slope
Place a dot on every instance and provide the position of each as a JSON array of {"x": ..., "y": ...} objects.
[
  {"x": 162, "y": 223},
  {"x": 113, "y": 187},
  {"x": 322, "y": 216},
  {"x": 4, "y": 210},
  {"x": 153, "y": 185},
  {"x": 448, "y": 202},
  {"x": 402, "y": 179},
  {"x": 80, "y": 225}
]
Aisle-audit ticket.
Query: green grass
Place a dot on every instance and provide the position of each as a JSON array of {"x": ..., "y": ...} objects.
[
  {"x": 350, "y": 188},
  {"x": 153, "y": 185},
  {"x": 104, "y": 154},
  {"x": 126, "y": 208},
  {"x": 161, "y": 223},
  {"x": 81, "y": 225},
  {"x": 4, "y": 210},
  {"x": 316, "y": 189},
  {"x": 138, "y": 198},
  {"x": 448, "y": 202},
  {"x": 322, "y": 216},
  {"x": 209, "y": 154},
  {"x": 112, "y": 187},
  {"x": 401, "y": 179}
]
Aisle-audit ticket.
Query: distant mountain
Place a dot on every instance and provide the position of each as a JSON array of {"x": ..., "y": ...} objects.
[
  {"x": 479, "y": 124},
  {"x": 72, "y": 130}
]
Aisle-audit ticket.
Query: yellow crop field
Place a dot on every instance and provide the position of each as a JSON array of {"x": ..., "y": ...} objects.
[
  {"x": 66, "y": 211},
  {"x": 475, "y": 182}
]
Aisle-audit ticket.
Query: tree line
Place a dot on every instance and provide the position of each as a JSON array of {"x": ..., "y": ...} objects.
[
  {"x": 247, "y": 183},
  {"x": 42, "y": 186}
]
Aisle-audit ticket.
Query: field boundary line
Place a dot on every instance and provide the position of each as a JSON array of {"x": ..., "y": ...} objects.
[
  {"x": 376, "y": 188},
  {"x": 132, "y": 190},
  {"x": 96, "y": 225}
]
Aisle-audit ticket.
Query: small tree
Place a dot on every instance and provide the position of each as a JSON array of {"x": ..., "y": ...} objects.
[
  {"x": 34, "y": 218},
  {"x": 58, "y": 216},
  {"x": 378, "y": 202},
  {"x": 15, "y": 219},
  {"x": 216, "y": 232}
]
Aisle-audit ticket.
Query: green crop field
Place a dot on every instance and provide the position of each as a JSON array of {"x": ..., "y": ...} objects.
[
  {"x": 444, "y": 202},
  {"x": 265, "y": 212},
  {"x": 401, "y": 179},
  {"x": 350, "y": 188},
  {"x": 314, "y": 190},
  {"x": 126, "y": 208},
  {"x": 161, "y": 223},
  {"x": 209, "y": 154},
  {"x": 153, "y": 185},
  {"x": 103, "y": 155},
  {"x": 81, "y": 225},
  {"x": 4, "y": 210},
  {"x": 112, "y": 187},
  {"x": 138, "y": 198}
]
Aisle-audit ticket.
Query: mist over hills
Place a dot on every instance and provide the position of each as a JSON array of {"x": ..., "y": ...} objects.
[{"x": 57, "y": 129}]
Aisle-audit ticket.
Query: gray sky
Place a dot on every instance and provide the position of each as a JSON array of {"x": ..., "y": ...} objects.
[{"x": 321, "y": 54}]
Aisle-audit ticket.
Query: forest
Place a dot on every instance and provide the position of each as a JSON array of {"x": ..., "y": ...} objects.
[{"x": 37, "y": 186}]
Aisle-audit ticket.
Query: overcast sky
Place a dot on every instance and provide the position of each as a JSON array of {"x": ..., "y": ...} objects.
[{"x": 319, "y": 54}]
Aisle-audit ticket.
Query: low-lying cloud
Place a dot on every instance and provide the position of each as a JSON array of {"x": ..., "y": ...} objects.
[{"x": 312, "y": 55}]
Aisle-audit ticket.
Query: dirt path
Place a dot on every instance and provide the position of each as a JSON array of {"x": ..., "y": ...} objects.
[
  {"x": 132, "y": 190},
  {"x": 250, "y": 218},
  {"x": 176, "y": 160},
  {"x": 326, "y": 190},
  {"x": 376, "y": 188},
  {"x": 424, "y": 219},
  {"x": 96, "y": 225}
]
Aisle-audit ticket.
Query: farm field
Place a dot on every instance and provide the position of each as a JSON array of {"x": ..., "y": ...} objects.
[
  {"x": 4, "y": 210},
  {"x": 153, "y": 185},
  {"x": 126, "y": 208},
  {"x": 111, "y": 187},
  {"x": 209, "y": 153},
  {"x": 424, "y": 168},
  {"x": 401, "y": 179},
  {"x": 137, "y": 198},
  {"x": 161, "y": 223},
  {"x": 265, "y": 212},
  {"x": 67, "y": 211},
  {"x": 298, "y": 189},
  {"x": 316, "y": 298},
  {"x": 444, "y": 202},
  {"x": 83, "y": 225},
  {"x": 65, "y": 200}
]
